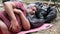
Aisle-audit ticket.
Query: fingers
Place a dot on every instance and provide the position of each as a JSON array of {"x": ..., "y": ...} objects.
[
  {"x": 14, "y": 28},
  {"x": 16, "y": 10}
]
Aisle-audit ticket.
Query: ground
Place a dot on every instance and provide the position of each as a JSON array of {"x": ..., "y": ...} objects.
[{"x": 55, "y": 29}]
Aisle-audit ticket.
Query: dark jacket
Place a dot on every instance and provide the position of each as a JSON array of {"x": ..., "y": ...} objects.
[
  {"x": 5, "y": 1},
  {"x": 49, "y": 13},
  {"x": 34, "y": 21},
  {"x": 52, "y": 14}
]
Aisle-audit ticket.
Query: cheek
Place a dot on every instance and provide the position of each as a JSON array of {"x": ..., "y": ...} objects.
[
  {"x": 30, "y": 9},
  {"x": 33, "y": 11},
  {"x": 35, "y": 8}
]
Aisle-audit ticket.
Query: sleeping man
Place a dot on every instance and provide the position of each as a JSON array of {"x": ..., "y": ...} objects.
[{"x": 17, "y": 16}]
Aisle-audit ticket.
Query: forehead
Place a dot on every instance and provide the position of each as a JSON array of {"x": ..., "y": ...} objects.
[{"x": 31, "y": 5}]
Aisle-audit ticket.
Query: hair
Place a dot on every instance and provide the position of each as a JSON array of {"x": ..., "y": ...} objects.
[{"x": 5, "y": 1}]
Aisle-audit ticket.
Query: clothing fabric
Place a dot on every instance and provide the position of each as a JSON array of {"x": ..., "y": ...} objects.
[
  {"x": 6, "y": 19},
  {"x": 5, "y": 1},
  {"x": 11, "y": 0}
]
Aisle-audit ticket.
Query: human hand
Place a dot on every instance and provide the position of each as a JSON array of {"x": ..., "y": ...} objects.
[
  {"x": 15, "y": 26},
  {"x": 17, "y": 11}
]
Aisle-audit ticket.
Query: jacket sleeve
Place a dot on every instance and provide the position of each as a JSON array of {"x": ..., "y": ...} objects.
[{"x": 35, "y": 20}]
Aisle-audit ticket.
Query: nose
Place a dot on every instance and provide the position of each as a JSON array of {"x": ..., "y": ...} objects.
[{"x": 33, "y": 8}]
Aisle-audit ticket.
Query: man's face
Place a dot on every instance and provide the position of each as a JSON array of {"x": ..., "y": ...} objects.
[{"x": 32, "y": 9}]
